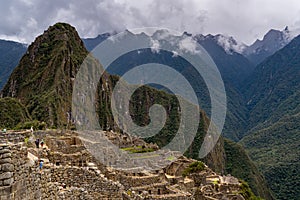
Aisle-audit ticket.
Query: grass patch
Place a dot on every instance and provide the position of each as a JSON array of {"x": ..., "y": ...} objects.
[
  {"x": 137, "y": 149},
  {"x": 146, "y": 156},
  {"x": 171, "y": 158}
]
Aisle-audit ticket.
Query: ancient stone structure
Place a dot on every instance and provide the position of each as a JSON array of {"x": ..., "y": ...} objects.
[{"x": 69, "y": 171}]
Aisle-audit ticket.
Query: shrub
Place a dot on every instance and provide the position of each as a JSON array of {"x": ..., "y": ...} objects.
[
  {"x": 246, "y": 192},
  {"x": 193, "y": 168},
  {"x": 37, "y": 125}
]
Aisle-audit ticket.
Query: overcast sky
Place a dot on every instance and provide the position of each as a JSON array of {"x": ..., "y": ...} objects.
[{"x": 245, "y": 20}]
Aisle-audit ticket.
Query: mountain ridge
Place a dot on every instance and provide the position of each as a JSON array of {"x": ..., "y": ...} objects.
[
  {"x": 272, "y": 41},
  {"x": 49, "y": 68},
  {"x": 10, "y": 54},
  {"x": 273, "y": 95}
]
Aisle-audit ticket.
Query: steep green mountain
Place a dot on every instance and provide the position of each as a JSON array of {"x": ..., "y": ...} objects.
[
  {"x": 273, "y": 88},
  {"x": 274, "y": 101},
  {"x": 233, "y": 67},
  {"x": 12, "y": 112},
  {"x": 276, "y": 150},
  {"x": 11, "y": 52},
  {"x": 237, "y": 156},
  {"x": 227, "y": 157},
  {"x": 43, "y": 82},
  {"x": 10, "y": 55},
  {"x": 43, "y": 79}
]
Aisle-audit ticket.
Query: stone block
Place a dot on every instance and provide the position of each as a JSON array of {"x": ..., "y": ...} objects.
[
  {"x": 7, "y": 167},
  {"x": 6, "y": 175},
  {"x": 5, "y": 190},
  {"x": 3, "y": 151},
  {"x": 8, "y": 181},
  {"x": 5, "y": 160},
  {"x": 3, "y": 146}
]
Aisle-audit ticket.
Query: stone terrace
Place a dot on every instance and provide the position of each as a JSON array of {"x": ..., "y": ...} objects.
[{"x": 71, "y": 172}]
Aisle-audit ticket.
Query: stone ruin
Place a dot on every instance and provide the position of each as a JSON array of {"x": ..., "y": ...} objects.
[{"x": 71, "y": 172}]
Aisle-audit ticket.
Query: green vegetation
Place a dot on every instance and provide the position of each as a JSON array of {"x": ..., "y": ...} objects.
[
  {"x": 37, "y": 125},
  {"x": 171, "y": 158},
  {"x": 194, "y": 167},
  {"x": 14, "y": 115},
  {"x": 246, "y": 192},
  {"x": 12, "y": 112},
  {"x": 219, "y": 159},
  {"x": 273, "y": 139},
  {"x": 275, "y": 150},
  {"x": 150, "y": 96},
  {"x": 145, "y": 156},
  {"x": 43, "y": 78},
  {"x": 43, "y": 83},
  {"x": 137, "y": 149},
  {"x": 240, "y": 165},
  {"x": 234, "y": 68}
]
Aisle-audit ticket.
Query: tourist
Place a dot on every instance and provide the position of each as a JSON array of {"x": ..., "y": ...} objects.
[
  {"x": 42, "y": 143},
  {"x": 37, "y": 143},
  {"x": 41, "y": 164}
]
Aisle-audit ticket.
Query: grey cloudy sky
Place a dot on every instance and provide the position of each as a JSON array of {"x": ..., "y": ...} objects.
[{"x": 245, "y": 20}]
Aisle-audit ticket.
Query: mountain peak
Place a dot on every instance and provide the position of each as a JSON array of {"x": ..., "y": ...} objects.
[
  {"x": 44, "y": 77},
  {"x": 228, "y": 43},
  {"x": 272, "y": 41},
  {"x": 62, "y": 26},
  {"x": 60, "y": 31},
  {"x": 187, "y": 34}
]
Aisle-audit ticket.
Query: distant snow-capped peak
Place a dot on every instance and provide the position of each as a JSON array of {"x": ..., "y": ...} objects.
[
  {"x": 271, "y": 42},
  {"x": 229, "y": 44}
]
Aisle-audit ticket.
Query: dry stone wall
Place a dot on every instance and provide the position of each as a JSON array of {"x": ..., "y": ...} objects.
[
  {"x": 88, "y": 180},
  {"x": 20, "y": 179}
]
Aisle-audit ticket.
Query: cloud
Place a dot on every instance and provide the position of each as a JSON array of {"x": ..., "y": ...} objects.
[
  {"x": 245, "y": 20},
  {"x": 229, "y": 44},
  {"x": 154, "y": 46},
  {"x": 188, "y": 44},
  {"x": 24, "y": 20}
]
